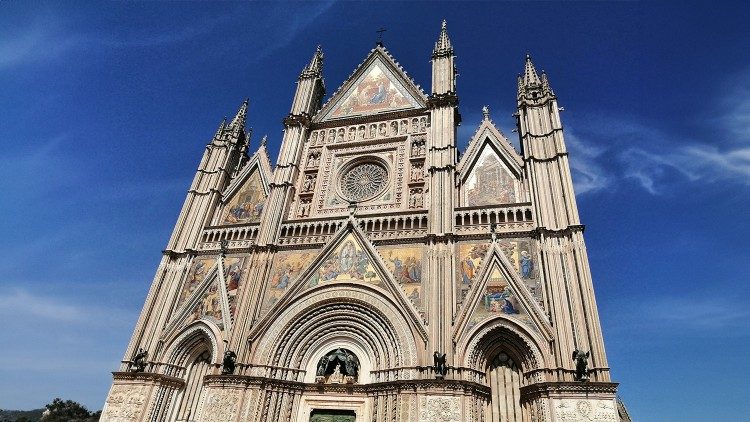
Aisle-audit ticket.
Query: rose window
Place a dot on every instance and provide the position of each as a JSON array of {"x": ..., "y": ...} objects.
[{"x": 364, "y": 181}]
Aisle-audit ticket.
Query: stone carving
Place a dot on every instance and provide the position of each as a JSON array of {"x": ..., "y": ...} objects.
[
  {"x": 220, "y": 406},
  {"x": 309, "y": 183},
  {"x": 364, "y": 181},
  {"x": 418, "y": 147},
  {"x": 304, "y": 208},
  {"x": 416, "y": 200},
  {"x": 439, "y": 365},
  {"x": 416, "y": 173},
  {"x": 139, "y": 361},
  {"x": 125, "y": 403},
  {"x": 582, "y": 362},
  {"x": 313, "y": 160},
  {"x": 585, "y": 410},
  {"x": 228, "y": 365},
  {"x": 439, "y": 409}
]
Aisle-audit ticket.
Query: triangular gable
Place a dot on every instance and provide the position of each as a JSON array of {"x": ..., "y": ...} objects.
[
  {"x": 348, "y": 258},
  {"x": 247, "y": 193},
  {"x": 378, "y": 85},
  {"x": 487, "y": 133},
  {"x": 500, "y": 292}
]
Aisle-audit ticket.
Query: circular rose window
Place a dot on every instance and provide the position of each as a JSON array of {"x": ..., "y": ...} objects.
[{"x": 364, "y": 181}]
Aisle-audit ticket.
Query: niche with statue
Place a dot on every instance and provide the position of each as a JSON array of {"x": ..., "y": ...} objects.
[{"x": 339, "y": 366}]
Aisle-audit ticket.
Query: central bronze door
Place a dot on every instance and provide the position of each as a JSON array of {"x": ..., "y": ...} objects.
[{"x": 329, "y": 415}]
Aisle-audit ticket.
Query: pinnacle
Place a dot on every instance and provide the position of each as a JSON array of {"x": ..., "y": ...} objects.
[
  {"x": 238, "y": 122},
  {"x": 530, "y": 76},
  {"x": 486, "y": 112},
  {"x": 315, "y": 67},
  {"x": 443, "y": 45}
]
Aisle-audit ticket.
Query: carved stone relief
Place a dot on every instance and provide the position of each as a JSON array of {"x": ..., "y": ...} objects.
[
  {"x": 220, "y": 405},
  {"x": 125, "y": 403},
  {"x": 439, "y": 409},
  {"x": 585, "y": 410}
]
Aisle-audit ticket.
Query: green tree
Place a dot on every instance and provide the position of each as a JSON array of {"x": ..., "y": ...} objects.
[{"x": 68, "y": 411}]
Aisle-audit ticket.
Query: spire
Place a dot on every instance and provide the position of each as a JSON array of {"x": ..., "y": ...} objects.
[
  {"x": 238, "y": 123},
  {"x": 529, "y": 74},
  {"x": 530, "y": 85},
  {"x": 221, "y": 128},
  {"x": 315, "y": 67},
  {"x": 443, "y": 46}
]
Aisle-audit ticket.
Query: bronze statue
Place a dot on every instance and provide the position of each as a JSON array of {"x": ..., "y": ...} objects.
[
  {"x": 138, "y": 363},
  {"x": 322, "y": 366},
  {"x": 228, "y": 365},
  {"x": 582, "y": 363},
  {"x": 439, "y": 364}
]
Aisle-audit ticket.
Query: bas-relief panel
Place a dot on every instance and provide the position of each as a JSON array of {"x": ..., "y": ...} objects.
[
  {"x": 125, "y": 403},
  {"x": 489, "y": 182},
  {"x": 286, "y": 267},
  {"x": 348, "y": 262},
  {"x": 375, "y": 92},
  {"x": 405, "y": 263},
  {"x": 585, "y": 410},
  {"x": 470, "y": 256},
  {"x": 247, "y": 204},
  {"x": 196, "y": 275}
]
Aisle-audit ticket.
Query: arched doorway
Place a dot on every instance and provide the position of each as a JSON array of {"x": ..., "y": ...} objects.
[{"x": 504, "y": 377}]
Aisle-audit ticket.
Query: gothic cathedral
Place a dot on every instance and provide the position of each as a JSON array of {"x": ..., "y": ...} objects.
[{"x": 375, "y": 273}]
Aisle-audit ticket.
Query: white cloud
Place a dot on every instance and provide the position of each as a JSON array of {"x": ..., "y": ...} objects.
[{"x": 588, "y": 174}]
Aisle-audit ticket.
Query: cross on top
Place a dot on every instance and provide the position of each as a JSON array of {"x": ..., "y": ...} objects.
[{"x": 380, "y": 36}]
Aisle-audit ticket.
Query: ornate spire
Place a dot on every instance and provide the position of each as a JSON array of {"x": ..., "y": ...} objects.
[
  {"x": 486, "y": 112},
  {"x": 238, "y": 123},
  {"x": 221, "y": 128},
  {"x": 315, "y": 67},
  {"x": 529, "y": 74},
  {"x": 443, "y": 46},
  {"x": 530, "y": 85}
]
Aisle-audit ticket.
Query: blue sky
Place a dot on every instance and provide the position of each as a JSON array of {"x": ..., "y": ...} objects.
[{"x": 106, "y": 109}]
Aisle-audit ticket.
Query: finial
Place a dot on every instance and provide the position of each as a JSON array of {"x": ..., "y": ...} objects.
[
  {"x": 443, "y": 46},
  {"x": 379, "y": 42},
  {"x": 264, "y": 140},
  {"x": 315, "y": 67},
  {"x": 486, "y": 112}
]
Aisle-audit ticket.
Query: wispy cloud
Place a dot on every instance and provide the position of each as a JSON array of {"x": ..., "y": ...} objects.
[
  {"x": 588, "y": 174},
  {"x": 658, "y": 161},
  {"x": 697, "y": 314}
]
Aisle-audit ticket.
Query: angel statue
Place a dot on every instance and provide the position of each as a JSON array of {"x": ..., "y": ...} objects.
[{"x": 582, "y": 363}]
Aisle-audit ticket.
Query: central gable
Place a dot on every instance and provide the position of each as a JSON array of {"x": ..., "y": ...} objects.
[{"x": 377, "y": 86}]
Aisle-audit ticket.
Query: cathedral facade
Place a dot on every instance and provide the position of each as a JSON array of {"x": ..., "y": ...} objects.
[{"x": 374, "y": 273}]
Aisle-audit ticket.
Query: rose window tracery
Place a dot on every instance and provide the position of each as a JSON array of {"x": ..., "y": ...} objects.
[{"x": 364, "y": 181}]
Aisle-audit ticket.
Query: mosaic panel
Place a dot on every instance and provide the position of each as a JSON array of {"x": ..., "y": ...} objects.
[
  {"x": 469, "y": 257},
  {"x": 196, "y": 275},
  {"x": 286, "y": 267},
  {"x": 374, "y": 92},
  {"x": 405, "y": 263},
  {"x": 490, "y": 182},
  {"x": 247, "y": 204},
  {"x": 348, "y": 262}
]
